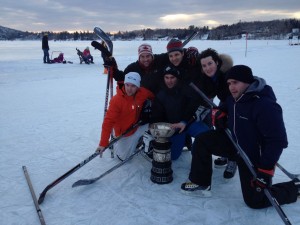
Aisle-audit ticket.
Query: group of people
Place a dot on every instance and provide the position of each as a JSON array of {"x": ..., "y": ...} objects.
[
  {"x": 247, "y": 108},
  {"x": 84, "y": 56}
]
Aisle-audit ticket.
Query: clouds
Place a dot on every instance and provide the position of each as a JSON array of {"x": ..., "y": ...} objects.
[{"x": 120, "y": 15}]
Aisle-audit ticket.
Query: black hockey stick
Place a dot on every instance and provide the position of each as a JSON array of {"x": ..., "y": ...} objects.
[
  {"x": 190, "y": 38},
  {"x": 81, "y": 164},
  {"x": 93, "y": 180},
  {"x": 290, "y": 175},
  {"x": 107, "y": 53},
  {"x": 104, "y": 37},
  {"x": 245, "y": 158}
]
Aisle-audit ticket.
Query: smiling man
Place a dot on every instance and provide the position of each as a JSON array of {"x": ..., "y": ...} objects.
[
  {"x": 256, "y": 123},
  {"x": 176, "y": 103}
]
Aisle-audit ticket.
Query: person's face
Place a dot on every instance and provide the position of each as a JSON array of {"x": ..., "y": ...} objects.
[
  {"x": 236, "y": 88},
  {"x": 176, "y": 57},
  {"x": 130, "y": 89},
  {"x": 146, "y": 59},
  {"x": 209, "y": 66},
  {"x": 170, "y": 80}
]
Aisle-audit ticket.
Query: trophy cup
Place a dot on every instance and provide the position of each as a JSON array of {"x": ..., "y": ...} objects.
[{"x": 161, "y": 172}]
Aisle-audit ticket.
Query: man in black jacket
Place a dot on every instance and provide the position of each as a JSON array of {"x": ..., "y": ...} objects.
[
  {"x": 176, "y": 103},
  {"x": 256, "y": 124},
  {"x": 45, "y": 47}
]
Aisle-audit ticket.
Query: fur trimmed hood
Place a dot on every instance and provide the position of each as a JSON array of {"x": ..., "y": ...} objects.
[{"x": 227, "y": 62}]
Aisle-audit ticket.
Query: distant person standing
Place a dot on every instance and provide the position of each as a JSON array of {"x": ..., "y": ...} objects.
[{"x": 45, "y": 47}]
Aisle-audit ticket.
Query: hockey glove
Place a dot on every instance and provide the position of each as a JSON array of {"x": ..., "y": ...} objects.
[
  {"x": 201, "y": 113},
  {"x": 146, "y": 112},
  {"x": 263, "y": 179},
  {"x": 218, "y": 118},
  {"x": 110, "y": 62}
]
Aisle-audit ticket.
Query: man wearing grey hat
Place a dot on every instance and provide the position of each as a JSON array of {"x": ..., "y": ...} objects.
[{"x": 256, "y": 124}]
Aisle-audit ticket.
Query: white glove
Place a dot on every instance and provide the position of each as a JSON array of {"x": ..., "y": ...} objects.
[{"x": 147, "y": 138}]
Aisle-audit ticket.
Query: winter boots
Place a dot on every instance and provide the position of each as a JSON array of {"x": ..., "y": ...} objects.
[
  {"x": 220, "y": 162},
  {"x": 230, "y": 170}
]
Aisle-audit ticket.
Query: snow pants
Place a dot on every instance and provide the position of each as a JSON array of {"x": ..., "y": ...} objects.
[
  {"x": 178, "y": 140},
  {"x": 216, "y": 142},
  {"x": 126, "y": 146}
]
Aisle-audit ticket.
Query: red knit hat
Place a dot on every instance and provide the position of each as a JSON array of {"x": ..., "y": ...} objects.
[
  {"x": 145, "y": 48},
  {"x": 174, "y": 45}
]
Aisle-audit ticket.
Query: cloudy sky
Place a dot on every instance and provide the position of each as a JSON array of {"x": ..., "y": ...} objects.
[{"x": 127, "y": 15}]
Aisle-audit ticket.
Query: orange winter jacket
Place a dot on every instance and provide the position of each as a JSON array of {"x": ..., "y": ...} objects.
[{"x": 123, "y": 112}]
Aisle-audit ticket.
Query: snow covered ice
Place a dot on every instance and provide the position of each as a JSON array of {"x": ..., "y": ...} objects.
[{"x": 50, "y": 120}]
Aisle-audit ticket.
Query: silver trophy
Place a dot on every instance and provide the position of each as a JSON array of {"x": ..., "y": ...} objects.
[
  {"x": 161, "y": 131},
  {"x": 161, "y": 172}
]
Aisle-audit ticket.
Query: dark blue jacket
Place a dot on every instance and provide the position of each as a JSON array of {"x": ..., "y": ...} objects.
[{"x": 256, "y": 123}]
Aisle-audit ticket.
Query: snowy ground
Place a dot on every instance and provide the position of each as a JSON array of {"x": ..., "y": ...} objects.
[{"x": 50, "y": 120}]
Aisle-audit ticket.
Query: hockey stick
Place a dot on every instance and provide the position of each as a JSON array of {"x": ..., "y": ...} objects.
[
  {"x": 93, "y": 180},
  {"x": 246, "y": 159},
  {"x": 37, "y": 207},
  {"x": 109, "y": 84},
  {"x": 190, "y": 38},
  {"x": 81, "y": 164},
  {"x": 104, "y": 37},
  {"x": 290, "y": 175}
]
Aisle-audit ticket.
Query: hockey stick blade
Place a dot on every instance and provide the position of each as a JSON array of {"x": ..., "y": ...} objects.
[
  {"x": 93, "y": 180},
  {"x": 101, "y": 34},
  {"x": 81, "y": 164},
  {"x": 190, "y": 38},
  {"x": 290, "y": 175},
  {"x": 101, "y": 48}
]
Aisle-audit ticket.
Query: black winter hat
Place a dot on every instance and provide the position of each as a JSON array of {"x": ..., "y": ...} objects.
[
  {"x": 174, "y": 45},
  {"x": 173, "y": 71},
  {"x": 241, "y": 73}
]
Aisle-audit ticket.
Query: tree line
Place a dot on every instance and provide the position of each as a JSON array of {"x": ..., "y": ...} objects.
[{"x": 275, "y": 29}]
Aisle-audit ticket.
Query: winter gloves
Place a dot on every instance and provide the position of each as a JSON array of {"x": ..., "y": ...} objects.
[
  {"x": 263, "y": 179},
  {"x": 218, "y": 118}
]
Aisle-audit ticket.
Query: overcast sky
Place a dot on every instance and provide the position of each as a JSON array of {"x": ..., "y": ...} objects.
[{"x": 127, "y": 15}]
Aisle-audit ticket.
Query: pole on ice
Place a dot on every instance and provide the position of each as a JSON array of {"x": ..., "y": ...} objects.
[
  {"x": 247, "y": 161},
  {"x": 37, "y": 207},
  {"x": 246, "y": 44},
  {"x": 81, "y": 164}
]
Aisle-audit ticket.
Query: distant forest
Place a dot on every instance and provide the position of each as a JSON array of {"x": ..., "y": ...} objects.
[{"x": 275, "y": 29}]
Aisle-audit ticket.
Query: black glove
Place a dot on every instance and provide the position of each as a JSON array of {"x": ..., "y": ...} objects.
[
  {"x": 218, "y": 118},
  {"x": 110, "y": 62},
  {"x": 192, "y": 54},
  {"x": 263, "y": 179},
  {"x": 146, "y": 112}
]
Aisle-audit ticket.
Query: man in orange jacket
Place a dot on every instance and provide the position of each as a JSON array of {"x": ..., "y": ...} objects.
[{"x": 123, "y": 112}]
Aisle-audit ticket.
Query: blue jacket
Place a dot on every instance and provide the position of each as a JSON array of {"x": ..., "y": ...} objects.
[{"x": 256, "y": 123}]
